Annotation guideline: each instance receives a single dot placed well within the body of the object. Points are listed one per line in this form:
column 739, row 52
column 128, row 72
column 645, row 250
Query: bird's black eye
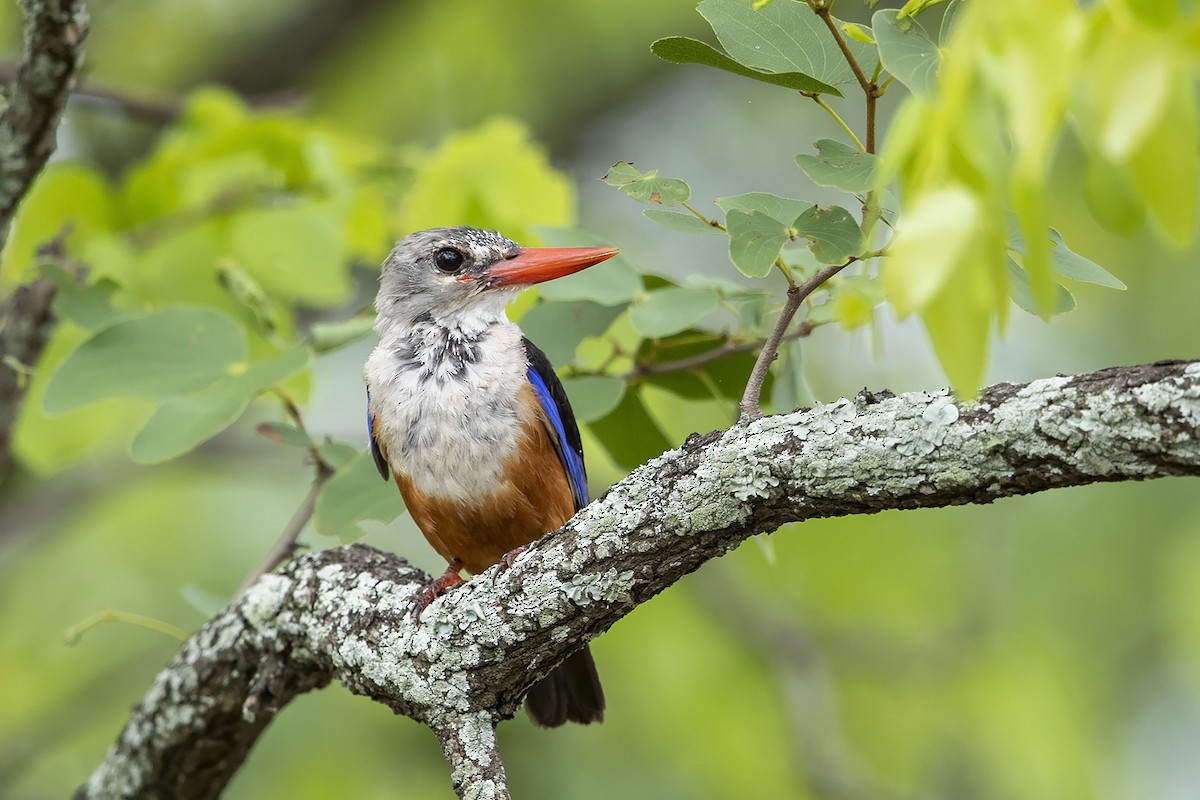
column 448, row 260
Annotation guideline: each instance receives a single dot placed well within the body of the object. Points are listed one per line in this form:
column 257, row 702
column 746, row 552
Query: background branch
column 345, row 613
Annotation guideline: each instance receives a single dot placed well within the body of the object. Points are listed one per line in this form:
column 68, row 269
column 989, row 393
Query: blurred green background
column 1045, row 647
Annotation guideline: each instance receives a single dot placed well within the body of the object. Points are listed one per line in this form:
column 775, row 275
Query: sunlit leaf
column 156, row 356
column 671, row 310
column 647, row 187
column 683, row 50
column 755, row 241
column 296, row 252
column 593, row 396
column 840, row 166
column 684, row 223
column 906, row 50
column 355, row 494
column 67, row 198
column 781, row 209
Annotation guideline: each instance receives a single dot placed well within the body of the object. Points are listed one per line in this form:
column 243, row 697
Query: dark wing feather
column 562, row 428
column 381, row 463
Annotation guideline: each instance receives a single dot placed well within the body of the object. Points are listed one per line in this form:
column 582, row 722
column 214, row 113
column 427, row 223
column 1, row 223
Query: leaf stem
column 710, row 222
column 837, row 118
column 74, row 632
column 285, row 545
column 822, row 11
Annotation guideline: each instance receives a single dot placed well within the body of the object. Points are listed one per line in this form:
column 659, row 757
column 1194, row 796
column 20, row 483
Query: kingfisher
column 469, row 418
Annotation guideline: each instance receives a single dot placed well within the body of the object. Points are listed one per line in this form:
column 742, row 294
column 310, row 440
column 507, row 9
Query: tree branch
column 54, row 34
column 345, row 614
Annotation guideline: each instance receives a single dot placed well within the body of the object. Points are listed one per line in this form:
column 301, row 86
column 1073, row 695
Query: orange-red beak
column 537, row 264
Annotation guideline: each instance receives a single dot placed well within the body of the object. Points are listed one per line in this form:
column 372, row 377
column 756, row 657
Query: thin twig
column 285, row 545
column 727, row 348
column 750, row 405
column 838, row 119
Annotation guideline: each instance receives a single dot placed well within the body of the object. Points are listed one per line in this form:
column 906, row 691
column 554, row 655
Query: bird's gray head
column 464, row 277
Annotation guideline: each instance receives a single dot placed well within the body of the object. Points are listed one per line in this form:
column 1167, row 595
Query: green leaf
column 840, row 166
column 724, row 378
column 493, row 176
column 684, row 223
column 182, row 423
column 248, row 293
column 755, row 240
column 558, row 327
column 667, row 311
column 593, row 396
column 781, row 209
column 88, row 307
column 683, row 50
column 647, row 187
column 1069, row 264
column 156, row 356
column 1021, row 291
column 296, row 252
column 832, row 233
column 629, row 434
column 783, row 37
column 353, row 495
column 906, row 51
column 615, row 282
column 949, row 21
column 326, row 336
column 283, row 433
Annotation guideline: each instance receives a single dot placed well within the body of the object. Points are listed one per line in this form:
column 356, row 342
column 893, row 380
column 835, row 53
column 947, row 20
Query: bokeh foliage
column 1025, row 650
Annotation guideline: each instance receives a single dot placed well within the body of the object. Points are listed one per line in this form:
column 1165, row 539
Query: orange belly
column 533, row 498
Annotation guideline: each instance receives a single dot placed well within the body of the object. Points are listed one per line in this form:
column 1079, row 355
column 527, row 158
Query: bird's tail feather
column 571, row 693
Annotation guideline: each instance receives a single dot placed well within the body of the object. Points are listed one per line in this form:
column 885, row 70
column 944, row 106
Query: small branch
column 54, row 34
column 728, row 348
column 476, row 770
column 285, row 546
column 750, row 405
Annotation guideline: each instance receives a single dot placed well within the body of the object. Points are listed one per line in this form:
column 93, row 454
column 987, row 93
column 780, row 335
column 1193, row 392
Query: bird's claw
column 506, row 561
column 437, row 587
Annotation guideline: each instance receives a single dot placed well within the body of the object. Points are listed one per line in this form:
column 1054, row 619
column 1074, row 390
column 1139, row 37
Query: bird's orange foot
column 438, row 587
column 506, row 561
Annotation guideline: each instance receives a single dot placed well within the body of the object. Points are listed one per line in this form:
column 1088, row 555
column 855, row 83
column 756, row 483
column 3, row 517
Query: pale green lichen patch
column 610, row 587
column 263, row 600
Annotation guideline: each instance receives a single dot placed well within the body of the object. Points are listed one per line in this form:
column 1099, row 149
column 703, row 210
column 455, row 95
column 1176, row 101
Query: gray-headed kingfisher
column 469, row 417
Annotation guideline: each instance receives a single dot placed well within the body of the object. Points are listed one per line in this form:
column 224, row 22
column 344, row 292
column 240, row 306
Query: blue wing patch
column 571, row 459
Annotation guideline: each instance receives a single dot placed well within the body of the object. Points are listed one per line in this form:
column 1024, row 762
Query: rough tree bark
column 345, row 614
column 54, row 34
